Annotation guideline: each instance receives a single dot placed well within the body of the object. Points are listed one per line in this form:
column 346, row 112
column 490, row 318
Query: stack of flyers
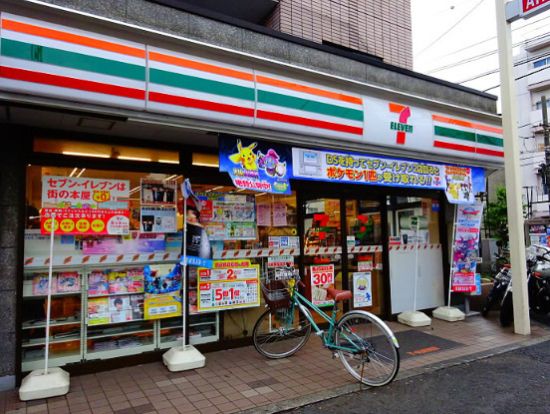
column 40, row 284
column 68, row 282
column 118, row 282
column 98, row 284
column 135, row 280
column 120, row 309
column 98, row 311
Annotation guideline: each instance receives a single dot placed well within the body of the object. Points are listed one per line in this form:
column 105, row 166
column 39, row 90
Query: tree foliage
column 496, row 219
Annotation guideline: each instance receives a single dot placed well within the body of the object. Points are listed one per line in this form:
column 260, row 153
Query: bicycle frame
column 304, row 305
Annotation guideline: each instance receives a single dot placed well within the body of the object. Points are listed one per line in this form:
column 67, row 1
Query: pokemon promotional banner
column 256, row 165
column 465, row 247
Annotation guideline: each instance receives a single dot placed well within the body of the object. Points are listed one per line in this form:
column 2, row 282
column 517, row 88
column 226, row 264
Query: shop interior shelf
column 113, row 353
column 121, row 333
column 42, row 341
column 54, row 295
column 112, row 323
column 42, row 324
column 115, row 294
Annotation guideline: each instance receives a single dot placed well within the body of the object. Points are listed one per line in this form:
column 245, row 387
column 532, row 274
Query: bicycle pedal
column 335, row 355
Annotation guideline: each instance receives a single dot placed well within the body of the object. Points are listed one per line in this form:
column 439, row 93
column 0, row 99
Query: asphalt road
column 514, row 382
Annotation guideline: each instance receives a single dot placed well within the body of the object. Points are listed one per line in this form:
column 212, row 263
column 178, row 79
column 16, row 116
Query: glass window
column 540, row 63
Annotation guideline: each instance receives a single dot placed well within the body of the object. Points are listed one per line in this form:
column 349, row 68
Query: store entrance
column 343, row 247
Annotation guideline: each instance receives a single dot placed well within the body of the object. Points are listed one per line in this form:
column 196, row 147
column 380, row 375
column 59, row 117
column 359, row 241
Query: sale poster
column 465, row 247
column 362, row 289
column 322, row 278
column 85, row 193
column 85, row 221
column 159, row 306
column 228, row 216
column 229, row 284
column 158, row 220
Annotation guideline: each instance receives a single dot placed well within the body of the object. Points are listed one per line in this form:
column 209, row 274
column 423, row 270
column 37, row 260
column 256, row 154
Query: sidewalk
column 242, row 380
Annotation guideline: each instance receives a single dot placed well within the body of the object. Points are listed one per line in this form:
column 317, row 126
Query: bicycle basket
column 275, row 287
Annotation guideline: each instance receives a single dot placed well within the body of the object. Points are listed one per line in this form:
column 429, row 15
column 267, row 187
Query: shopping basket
column 275, row 287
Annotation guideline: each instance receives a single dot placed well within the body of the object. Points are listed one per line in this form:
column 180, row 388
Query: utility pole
column 546, row 131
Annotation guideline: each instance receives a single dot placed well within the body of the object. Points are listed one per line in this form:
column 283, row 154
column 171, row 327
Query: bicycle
column 366, row 346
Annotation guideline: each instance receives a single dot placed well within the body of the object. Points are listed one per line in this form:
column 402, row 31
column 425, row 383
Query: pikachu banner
column 256, row 165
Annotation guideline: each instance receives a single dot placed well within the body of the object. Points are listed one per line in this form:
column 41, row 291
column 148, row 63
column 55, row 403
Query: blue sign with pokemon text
column 256, row 165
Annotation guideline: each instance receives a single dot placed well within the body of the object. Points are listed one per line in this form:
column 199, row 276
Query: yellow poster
column 164, row 305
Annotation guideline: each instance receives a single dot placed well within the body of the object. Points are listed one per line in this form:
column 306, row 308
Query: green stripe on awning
column 454, row 133
column 193, row 83
column 73, row 60
column 490, row 140
column 273, row 98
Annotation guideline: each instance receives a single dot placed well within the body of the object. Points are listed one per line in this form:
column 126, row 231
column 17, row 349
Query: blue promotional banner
column 256, row 165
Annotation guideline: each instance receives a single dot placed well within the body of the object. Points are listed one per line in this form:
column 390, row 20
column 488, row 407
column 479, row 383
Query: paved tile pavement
column 242, row 380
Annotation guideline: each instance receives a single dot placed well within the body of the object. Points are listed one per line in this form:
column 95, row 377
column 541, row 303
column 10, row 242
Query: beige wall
column 377, row 27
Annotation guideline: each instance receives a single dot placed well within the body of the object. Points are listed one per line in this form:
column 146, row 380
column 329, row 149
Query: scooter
column 500, row 285
column 538, row 286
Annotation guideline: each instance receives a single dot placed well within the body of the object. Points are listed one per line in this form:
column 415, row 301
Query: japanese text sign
column 322, row 278
column 356, row 168
column 85, row 221
column 229, row 284
column 255, row 165
column 465, row 247
column 72, row 192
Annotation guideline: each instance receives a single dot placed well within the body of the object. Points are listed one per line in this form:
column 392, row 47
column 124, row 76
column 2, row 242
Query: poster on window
column 84, row 221
column 362, row 289
column 466, row 247
column 158, row 192
column 322, row 278
column 256, row 165
column 158, row 219
column 163, row 284
column 230, row 284
column 228, row 216
column 85, row 193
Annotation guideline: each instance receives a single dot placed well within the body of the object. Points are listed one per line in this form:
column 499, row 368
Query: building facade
column 533, row 83
column 300, row 153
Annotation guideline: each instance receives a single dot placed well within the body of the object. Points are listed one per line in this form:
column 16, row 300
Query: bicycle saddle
column 339, row 295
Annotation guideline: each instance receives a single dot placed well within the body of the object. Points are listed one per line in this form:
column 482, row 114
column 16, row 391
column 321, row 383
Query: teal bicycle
column 363, row 342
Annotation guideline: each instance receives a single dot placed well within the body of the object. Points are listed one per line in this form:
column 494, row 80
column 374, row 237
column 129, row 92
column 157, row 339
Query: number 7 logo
column 401, row 126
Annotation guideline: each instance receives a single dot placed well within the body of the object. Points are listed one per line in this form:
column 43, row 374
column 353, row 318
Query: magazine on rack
column 40, row 284
column 68, row 282
column 118, row 282
column 98, row 311
column 120, row 309
column 98, row 284
column 135, row 280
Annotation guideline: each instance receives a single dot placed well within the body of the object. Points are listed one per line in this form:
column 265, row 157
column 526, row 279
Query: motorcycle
column 500, row 285
column 538, row 286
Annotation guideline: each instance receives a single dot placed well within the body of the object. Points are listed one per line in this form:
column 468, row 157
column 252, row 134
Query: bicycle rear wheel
column 280, row 333
column 371, row 356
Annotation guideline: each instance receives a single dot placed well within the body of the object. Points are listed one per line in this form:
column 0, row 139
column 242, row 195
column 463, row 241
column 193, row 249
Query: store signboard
column 465, row 247
column 525, row 9
column 334, row 166
column 84, row 221
column 322, row 278
column 230, row 284
column 362, row 289
column 93, row 193
column 256, row 165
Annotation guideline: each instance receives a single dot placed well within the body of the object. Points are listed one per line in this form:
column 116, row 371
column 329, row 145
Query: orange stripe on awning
column 71, row 38
column 205, row 67
column 466, row 124
column 309, row 89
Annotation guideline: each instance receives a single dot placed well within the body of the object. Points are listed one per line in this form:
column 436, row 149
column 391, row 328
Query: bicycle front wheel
column 280, row 333
column 366, row 348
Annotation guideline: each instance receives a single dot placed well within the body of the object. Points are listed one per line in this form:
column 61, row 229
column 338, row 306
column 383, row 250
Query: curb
column 409, row 373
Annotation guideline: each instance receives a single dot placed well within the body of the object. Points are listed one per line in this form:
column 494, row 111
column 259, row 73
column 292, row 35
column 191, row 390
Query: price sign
column 322, row 278
column 229, row 284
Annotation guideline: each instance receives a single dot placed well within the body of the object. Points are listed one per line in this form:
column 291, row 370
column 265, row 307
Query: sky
column 447, row 33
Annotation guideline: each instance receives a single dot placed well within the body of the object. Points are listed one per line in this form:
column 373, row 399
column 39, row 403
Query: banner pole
column 184, row 276
column 416, row 262
column 49, row 300
column 452, row 258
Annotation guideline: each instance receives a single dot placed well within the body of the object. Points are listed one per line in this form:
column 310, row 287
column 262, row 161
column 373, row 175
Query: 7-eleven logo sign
column 401, row 126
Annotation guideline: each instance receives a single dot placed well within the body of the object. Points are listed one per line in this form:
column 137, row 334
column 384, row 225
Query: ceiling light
column 124, row 157
column 135, row 189
column 81, row 172
column 171, row 177
column 169, row 161
column 85, row 154
column 73, row 172
column 217, row 188
column 260, row 194
column 242, row 189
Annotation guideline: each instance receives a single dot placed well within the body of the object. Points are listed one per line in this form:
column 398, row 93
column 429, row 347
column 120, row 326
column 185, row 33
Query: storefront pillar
column 12, row 216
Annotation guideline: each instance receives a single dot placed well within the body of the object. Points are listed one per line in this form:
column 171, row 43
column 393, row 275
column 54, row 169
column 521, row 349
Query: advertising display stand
column 184, row 357
column 49, row 382
column 414, row 317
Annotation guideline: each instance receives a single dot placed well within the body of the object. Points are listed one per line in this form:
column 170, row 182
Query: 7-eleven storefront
column 362, row 183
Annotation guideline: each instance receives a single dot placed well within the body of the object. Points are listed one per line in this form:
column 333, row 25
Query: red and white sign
column 532, row 6
column 85, row 221
column 322, row 278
